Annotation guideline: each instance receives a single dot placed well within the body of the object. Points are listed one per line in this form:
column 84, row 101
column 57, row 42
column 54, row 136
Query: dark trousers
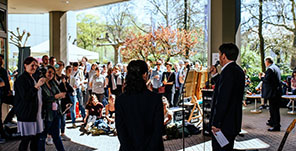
column 119, row 90
column 155, row 90
column 229, row 147
column 100, row 97
column 274, row 110
column 63, row 123
column 114, row 92
column 52, row 128
column 176, row 97
column 168, row 95
column 1, row 124
column 294, row 91
column 106, row 93
column 80, row 100
column 26, row 140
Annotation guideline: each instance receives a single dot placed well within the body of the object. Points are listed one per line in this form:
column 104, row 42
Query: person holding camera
column 28, row 105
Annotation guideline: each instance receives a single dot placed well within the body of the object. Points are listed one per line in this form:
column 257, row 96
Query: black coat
column 227, row 100
column 271, row 86
column 4, row 90
column 139, row 121
column 26, row 98
column 65, row 87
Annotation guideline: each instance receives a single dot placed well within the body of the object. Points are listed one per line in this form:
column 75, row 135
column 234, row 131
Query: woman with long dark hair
column 64, row 86
column 93, row 112
column 51, row 96
column 139, row 112
column 28, row 105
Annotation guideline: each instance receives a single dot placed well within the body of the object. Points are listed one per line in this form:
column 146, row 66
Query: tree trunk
column 186, row 26
column 105, row 52
column 115, row 55
column 261, row 39
column 293, row 57
column 185, row 15
column 293, row 62
column 278, row 56
column 167, row 13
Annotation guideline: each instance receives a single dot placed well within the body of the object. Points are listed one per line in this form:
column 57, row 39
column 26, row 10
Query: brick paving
column 254, row 124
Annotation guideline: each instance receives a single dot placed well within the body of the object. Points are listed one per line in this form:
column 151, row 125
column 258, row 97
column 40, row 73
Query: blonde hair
column 113, row 96
column 165, row 100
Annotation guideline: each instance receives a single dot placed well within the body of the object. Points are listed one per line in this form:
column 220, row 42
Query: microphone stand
column 183, row 109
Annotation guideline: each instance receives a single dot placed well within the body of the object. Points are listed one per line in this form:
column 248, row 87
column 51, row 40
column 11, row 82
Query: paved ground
column 254, row 124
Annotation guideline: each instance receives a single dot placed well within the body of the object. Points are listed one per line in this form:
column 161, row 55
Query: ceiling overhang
column 45, row 6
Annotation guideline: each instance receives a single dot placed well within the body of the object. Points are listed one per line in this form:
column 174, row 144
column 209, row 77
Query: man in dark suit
column 228, row 96
column 271, row 90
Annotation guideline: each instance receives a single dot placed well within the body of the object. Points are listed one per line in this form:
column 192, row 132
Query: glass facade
column 38, row 26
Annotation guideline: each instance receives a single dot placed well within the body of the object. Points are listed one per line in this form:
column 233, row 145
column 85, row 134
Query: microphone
column 217, row 63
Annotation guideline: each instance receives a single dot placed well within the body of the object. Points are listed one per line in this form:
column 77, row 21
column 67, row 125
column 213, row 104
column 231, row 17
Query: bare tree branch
column 280, row 25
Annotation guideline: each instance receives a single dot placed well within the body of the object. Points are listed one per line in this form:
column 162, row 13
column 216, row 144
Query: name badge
column 54, row 106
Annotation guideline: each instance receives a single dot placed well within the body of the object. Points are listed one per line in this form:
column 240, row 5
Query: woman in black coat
column 139, row 112
column 66, row 102
column 28, row 105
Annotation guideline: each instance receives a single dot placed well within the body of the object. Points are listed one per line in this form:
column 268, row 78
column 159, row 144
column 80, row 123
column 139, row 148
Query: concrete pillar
column 55, row 34
column 224, row 25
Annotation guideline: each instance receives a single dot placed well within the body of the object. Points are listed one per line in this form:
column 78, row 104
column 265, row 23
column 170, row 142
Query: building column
column 224, row 25
column 56, row 38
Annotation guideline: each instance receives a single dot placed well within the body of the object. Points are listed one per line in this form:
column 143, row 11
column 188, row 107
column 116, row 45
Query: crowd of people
column 50, row 90
column 140, row 94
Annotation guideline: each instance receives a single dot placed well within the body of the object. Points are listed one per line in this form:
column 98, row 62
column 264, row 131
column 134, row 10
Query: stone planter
column 24, row 52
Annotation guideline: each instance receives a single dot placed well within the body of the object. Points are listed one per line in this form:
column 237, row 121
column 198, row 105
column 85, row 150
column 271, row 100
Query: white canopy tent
column 75, row 53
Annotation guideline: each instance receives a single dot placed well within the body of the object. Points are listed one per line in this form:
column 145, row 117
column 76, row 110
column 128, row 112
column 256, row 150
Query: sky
column 139, row 10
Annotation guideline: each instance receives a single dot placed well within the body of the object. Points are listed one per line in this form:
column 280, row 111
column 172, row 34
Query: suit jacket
column 226, row 112
column 271, row 86
column 139, row 121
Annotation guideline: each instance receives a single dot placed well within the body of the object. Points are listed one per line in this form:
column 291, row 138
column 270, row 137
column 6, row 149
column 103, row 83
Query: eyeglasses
column 158, row 64
column 50, row 72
